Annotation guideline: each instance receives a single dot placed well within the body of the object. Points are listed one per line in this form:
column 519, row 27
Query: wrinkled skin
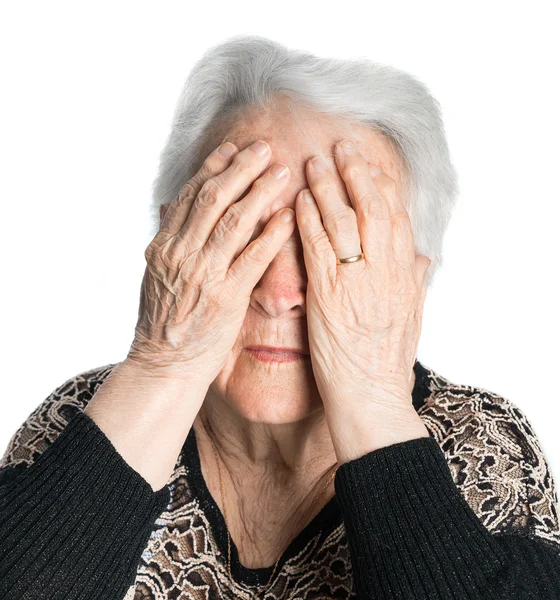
column 197, row 315
column 193, row 299
column 364, row 318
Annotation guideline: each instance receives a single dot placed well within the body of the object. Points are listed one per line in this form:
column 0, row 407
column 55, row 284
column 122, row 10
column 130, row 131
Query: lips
column 276, row 354
column 279, row 350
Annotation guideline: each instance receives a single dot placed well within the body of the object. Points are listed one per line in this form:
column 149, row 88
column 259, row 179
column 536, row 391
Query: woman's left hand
column 364, row 318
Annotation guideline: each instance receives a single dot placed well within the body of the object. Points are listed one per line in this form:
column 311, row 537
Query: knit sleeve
column 413, row 535
column 74, row 516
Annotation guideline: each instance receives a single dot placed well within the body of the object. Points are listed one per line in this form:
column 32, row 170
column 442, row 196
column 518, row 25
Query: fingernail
column 260, row 147
column 226, row 150
column 307, row 196
column 278, row 170
column 318, row 165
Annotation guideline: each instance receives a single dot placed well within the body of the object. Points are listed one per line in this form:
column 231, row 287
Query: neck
column 282, row 453
column 274, row 477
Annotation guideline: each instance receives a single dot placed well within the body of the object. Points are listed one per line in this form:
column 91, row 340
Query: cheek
column 226, row 377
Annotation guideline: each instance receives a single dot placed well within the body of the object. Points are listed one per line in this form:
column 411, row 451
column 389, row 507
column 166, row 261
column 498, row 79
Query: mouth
column 274, row 354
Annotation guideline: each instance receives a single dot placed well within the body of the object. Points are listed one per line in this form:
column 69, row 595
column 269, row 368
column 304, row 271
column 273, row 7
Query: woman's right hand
column 199, row 276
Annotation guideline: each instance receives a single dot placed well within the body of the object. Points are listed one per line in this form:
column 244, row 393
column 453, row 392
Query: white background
column 88, row 91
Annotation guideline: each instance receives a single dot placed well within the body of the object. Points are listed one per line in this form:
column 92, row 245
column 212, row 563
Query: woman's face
column 274, row 392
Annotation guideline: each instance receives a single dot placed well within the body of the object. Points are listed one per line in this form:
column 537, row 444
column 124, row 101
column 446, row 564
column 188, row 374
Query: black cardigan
column 468, row 513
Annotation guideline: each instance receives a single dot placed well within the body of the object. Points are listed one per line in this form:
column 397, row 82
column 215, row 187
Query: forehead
column 297, row 133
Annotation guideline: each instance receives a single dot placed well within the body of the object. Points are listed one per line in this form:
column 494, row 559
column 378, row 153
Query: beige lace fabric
column 492, row 451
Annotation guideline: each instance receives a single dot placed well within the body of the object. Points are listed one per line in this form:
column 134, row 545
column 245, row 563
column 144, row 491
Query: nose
column 281, row 291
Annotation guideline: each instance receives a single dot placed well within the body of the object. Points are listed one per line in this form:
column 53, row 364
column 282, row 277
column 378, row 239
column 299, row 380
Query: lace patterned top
column 470, row 512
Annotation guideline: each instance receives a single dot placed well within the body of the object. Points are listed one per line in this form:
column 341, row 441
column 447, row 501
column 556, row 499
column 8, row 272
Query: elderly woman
column 270, row 433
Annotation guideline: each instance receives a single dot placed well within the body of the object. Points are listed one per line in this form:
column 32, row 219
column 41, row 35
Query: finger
column 225, row 242
column 177, row 211
column 247, row 270
column 339, row 219
column 403, row 242
column 318, row 252
column 372, row 211
column 218, row 193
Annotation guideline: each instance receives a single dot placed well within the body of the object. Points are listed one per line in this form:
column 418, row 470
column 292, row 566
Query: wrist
column 157, row 368
column 358, row 433
column 161, row 388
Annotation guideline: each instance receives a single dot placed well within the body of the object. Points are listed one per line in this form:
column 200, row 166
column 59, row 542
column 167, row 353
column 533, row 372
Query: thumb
column 421, row 264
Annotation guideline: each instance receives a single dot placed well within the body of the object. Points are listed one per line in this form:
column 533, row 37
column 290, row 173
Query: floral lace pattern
column 493, row 454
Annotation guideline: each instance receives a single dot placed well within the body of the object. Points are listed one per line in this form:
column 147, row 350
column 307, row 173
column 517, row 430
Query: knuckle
column 235, row 278
column 374, row 206
column 317, row 241
column 262, row 187
column 306, row 222
column 351, row 171
column 264, row 244
column 401, row 218
column 186, row 195
column 213, row 165
column 241, row 163
column 156, row 262
column 386, row 185
column 402, row 225
column 342, row 221
column 214, row 162
column 211, row 193
column 155, row 249
column 233, row 219
column 214, row 251
column 254, row 252
column 324, row 187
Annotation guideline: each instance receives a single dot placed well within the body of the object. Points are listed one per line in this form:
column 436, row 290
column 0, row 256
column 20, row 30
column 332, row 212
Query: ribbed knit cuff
column 411, row 534
column 74, row 523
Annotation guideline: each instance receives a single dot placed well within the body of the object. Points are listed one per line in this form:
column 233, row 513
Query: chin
column 273, row 406
column 269, row 393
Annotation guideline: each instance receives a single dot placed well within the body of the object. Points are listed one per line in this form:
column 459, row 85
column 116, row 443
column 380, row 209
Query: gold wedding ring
column 350, row 259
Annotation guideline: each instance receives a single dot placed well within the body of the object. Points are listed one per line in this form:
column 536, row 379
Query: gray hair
column 246, row 71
